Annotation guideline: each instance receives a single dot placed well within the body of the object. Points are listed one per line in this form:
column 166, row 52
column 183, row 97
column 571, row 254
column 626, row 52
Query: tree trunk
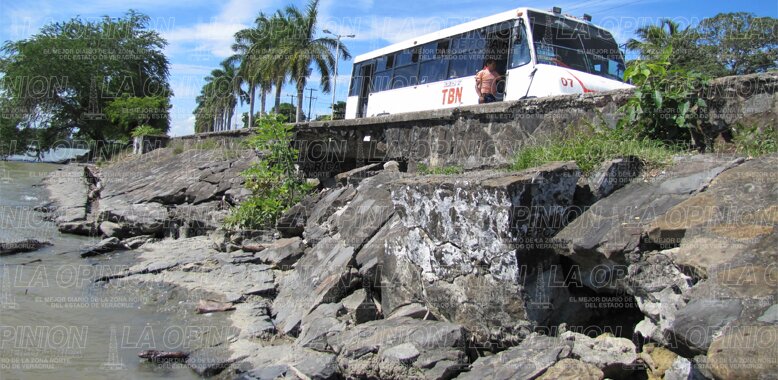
column 300, row 94
column 252, row 96
column 262, row 99
column 279, row 87
column 230, row 112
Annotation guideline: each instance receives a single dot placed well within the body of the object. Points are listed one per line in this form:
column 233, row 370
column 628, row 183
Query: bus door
column 366, row 72
column 498, row 47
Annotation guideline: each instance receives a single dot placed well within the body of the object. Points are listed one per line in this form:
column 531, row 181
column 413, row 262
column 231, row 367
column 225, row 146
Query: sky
column 199, row 32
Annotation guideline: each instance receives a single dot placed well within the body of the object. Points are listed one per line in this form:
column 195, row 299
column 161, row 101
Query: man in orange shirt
column 486, row 82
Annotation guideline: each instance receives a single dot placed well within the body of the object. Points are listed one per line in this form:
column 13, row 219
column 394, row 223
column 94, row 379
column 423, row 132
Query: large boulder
column 135, row 219
column 466, row 247
column 401, row 348
column 599, row 239
column 526, row 361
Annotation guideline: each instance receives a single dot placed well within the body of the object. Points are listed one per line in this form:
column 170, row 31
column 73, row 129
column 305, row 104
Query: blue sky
column 199, row 32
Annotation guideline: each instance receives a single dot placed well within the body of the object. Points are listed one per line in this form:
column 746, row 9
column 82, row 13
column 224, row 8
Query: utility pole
column 310, row 102
column 337, row 59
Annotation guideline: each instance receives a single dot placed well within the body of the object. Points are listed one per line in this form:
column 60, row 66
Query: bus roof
column 454, row 30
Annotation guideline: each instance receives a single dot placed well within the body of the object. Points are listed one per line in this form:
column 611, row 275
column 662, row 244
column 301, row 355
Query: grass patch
column 751, row 141
column 447, row 170
column 592, row 148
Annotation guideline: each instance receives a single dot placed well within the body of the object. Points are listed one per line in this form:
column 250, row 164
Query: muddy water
column 55, row 322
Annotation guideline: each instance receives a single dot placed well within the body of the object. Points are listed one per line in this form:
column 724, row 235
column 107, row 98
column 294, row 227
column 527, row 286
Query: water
column 55, row 322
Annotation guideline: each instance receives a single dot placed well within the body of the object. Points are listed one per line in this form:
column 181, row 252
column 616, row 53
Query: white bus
column 538, row 53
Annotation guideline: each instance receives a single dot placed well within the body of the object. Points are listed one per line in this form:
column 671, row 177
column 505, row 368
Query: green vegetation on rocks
column 273, row 180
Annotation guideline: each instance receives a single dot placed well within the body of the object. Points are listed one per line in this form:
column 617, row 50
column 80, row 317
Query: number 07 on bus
column 537, row 54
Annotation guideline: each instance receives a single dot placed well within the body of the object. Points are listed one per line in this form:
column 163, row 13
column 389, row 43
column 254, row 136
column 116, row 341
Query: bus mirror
column 517, row 32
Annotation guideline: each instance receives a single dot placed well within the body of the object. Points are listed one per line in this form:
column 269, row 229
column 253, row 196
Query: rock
column 137, row 241
column 319, row 325
column 104, row 246
column 210, row 306
column 282, row 253
column 301, row 362
column 138, row 219
column 354, row 176
column 386, row 348
column 770, row 315
column 571, row 369
column 697, row 323
column 683, row 369
column 392, row 166
column 352, row 302
column 658, row 287
column 156, row 356
column 413, row 310
column 745, row 352
column 362, row 307
column 370, row 209
column 528, row 360
column 616, row 357
column 111, row 229
column 68, row 192
column 28, row 245
column 321, row 276
column 612, row 227
column 613, row 175
column 292, row 222
column 466, row 241
column 403, row 353
column 83, row 228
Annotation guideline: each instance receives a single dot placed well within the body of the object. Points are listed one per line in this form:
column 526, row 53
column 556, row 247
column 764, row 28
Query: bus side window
column 521, row 55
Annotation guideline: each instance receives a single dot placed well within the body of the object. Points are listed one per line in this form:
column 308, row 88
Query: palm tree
column 218, row 99
column 302, row 48
column 251, row 47
column 653, row 39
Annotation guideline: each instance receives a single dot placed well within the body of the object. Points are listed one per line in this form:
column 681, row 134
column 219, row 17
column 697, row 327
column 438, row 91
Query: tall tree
column 303, row 49
column 63, row 77
column 742, row 42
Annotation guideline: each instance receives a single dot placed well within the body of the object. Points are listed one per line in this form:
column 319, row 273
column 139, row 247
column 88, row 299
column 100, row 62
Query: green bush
column 273, row 180
column 591, row 148
column 666, row 104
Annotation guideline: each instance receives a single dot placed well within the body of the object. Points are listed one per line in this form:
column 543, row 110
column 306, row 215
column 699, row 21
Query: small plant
column 146, row 130
column 273, row 180
column 666, row 104
column 446, row 170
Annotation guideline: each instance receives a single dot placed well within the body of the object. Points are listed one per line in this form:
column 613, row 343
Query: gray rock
column 387, row 348
column 84, row 228
column 370, row 209
column 111, row 229
column 104, row 246
column 683, row 369
column 413, row 310
column 613, row 175
column 302, row 362
column 571, row 369
column 528, row 360
column 392, row 166
column 614, row 226
column 137, row 241
column 616, row 357
column 320, row 324
column 28, row 245
column 282, row 253
column 354, row 176
column 696, row 324
column 138, row 219
column 404, row 353
column 770, row 315
column 321, row 276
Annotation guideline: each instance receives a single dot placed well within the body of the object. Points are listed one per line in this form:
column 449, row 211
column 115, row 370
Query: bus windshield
column 576, row 45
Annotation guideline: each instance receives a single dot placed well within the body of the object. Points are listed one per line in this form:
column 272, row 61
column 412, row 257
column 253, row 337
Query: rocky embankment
column 483, row 275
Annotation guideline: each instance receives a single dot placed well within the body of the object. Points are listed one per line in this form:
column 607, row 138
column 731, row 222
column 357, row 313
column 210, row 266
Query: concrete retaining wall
column 490, row 135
